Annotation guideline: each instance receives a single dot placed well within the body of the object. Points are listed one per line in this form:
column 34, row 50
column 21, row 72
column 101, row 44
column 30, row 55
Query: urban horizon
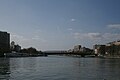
column 73, row 47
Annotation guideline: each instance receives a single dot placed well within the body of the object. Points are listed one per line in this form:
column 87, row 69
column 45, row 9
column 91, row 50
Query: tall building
column 4, row 42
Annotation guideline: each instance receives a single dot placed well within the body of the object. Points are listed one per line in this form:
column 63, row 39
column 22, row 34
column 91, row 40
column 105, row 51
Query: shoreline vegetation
column 25, row 52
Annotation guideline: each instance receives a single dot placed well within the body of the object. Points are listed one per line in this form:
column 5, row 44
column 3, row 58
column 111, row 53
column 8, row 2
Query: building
column 113, row 43
column 99, row 49
column 70, row 50
column 77, row 48
column 110, row 49
column 113, row 48
column 4, row 42
column 14, row 47
column 83, row 49
column 86, row 50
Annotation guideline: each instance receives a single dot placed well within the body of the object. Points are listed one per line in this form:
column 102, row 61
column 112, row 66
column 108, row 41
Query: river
column 59, row 68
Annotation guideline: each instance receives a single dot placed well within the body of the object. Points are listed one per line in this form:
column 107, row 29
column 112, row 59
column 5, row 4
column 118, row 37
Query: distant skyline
column 60, row 24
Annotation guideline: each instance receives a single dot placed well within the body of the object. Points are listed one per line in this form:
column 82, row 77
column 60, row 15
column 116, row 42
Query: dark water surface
column 59, row 68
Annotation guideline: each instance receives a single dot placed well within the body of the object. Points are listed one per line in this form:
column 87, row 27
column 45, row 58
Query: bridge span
column 69, row 53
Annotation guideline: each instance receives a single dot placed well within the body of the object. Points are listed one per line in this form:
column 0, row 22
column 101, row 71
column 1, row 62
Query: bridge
column 82, row 54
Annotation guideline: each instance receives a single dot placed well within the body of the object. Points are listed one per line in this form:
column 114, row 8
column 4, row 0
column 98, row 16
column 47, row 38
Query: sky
column 60, row 24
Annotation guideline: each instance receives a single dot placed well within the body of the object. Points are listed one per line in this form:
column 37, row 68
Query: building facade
column 113, row 48
column 99, row 49
column 77, row 48
column 4, row 42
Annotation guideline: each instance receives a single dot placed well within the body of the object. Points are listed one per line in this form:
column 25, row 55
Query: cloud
column 38, row 38
column 80, row 35
column 25, row 42
column 94, row 35
column 72, row 20
column 115, row 36
column 88, row 35
column 97, row 36
column 18, row 38
column 115, row 26
column 22, row 39
column 69, row 29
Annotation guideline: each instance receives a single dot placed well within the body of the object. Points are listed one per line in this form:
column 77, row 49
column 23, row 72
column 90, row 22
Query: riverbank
column 110, row 56
column 22, row 55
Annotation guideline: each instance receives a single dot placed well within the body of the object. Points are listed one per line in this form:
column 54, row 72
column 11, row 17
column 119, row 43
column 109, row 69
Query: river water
column 59, row 68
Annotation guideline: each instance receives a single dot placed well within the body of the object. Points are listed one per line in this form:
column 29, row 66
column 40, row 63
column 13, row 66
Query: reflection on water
column 4, row 68
column 59, row 68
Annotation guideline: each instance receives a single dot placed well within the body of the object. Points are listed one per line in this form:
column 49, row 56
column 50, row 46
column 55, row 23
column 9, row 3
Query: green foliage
column 30, row 50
